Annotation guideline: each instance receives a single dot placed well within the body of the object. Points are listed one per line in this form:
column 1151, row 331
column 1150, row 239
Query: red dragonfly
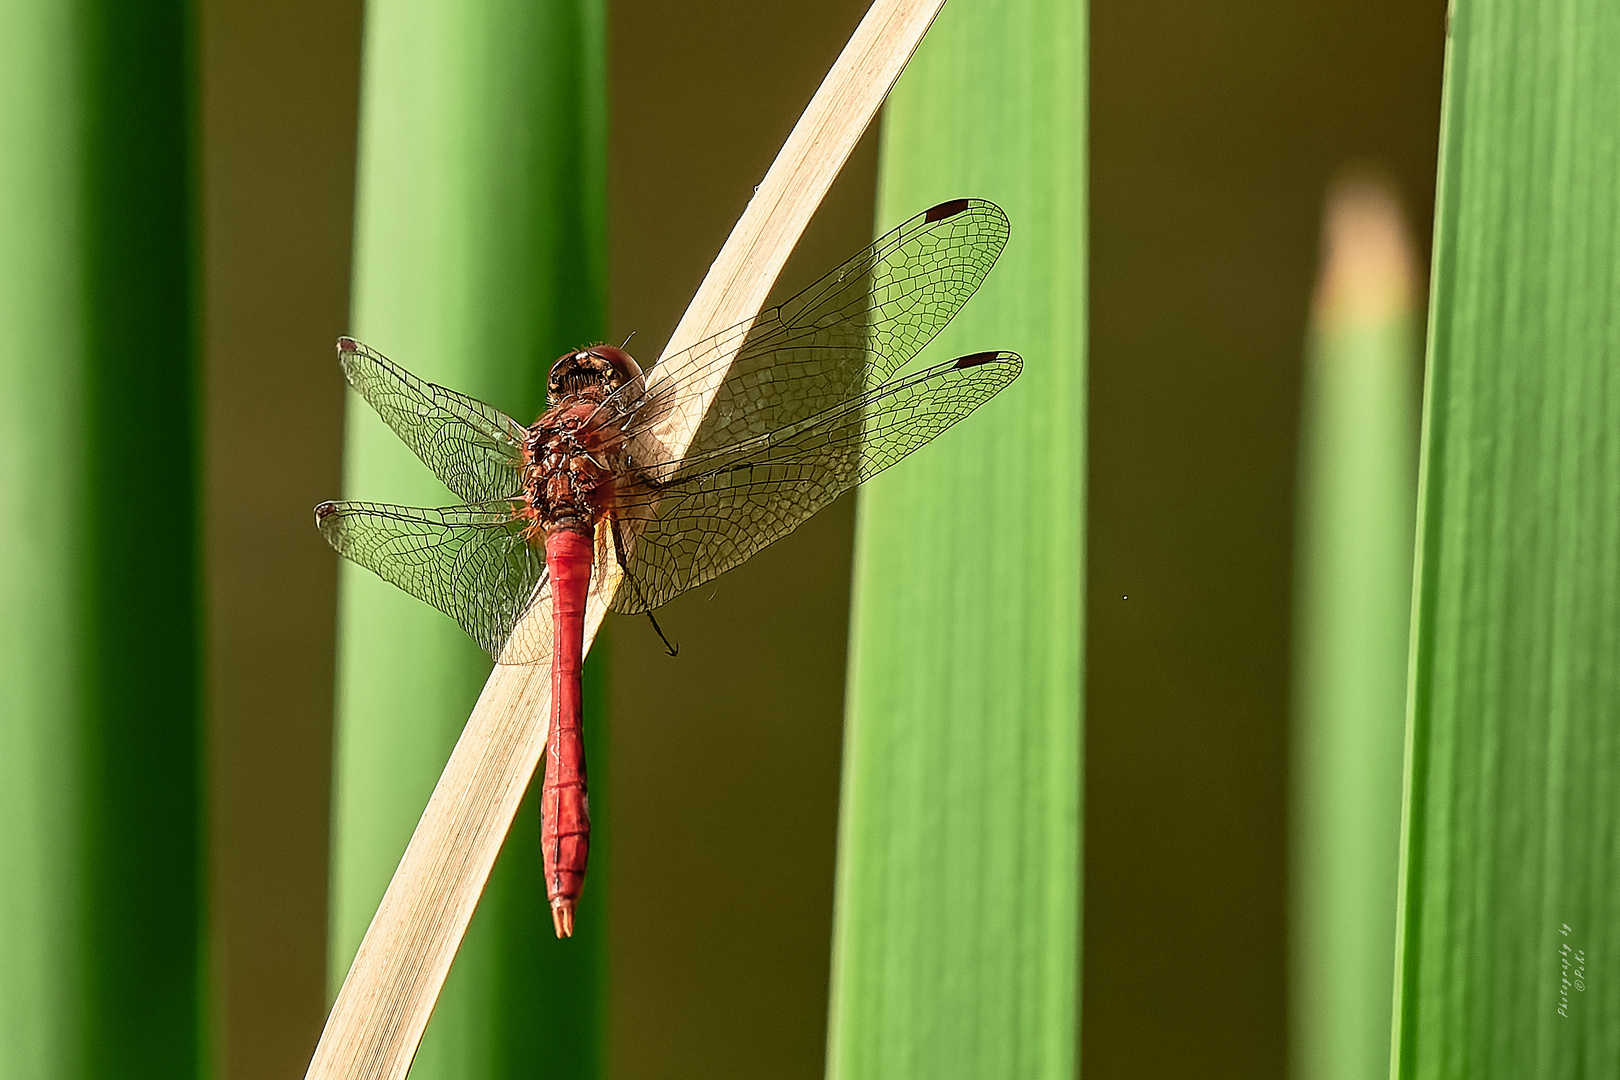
column 811, row 406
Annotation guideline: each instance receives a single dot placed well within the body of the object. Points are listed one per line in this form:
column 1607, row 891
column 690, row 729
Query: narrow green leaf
column 1510, row 928
column 480, row 257
column 101, row 902
column 1357, row 502
column 956, row 930
column 42, row 460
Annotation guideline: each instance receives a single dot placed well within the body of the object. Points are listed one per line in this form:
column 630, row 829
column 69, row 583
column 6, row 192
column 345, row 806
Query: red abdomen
column 565, row 823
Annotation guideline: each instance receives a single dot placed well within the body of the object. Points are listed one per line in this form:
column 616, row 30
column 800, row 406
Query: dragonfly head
column 602, row 367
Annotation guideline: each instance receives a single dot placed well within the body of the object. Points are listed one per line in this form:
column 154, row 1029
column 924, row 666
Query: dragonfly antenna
column 627, row 338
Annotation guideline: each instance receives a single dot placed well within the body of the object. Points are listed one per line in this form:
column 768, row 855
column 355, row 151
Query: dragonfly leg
column 624, row 564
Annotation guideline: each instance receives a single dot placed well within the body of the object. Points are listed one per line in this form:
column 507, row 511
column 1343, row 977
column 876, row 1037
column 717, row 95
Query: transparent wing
column 476, row 449
column 721, row 506
column 846, row 334
column 804, row 414
column 471, row 562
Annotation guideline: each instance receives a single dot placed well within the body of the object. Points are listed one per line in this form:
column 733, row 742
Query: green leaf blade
column 1357, row 501
column 1510, row 812
column 957, row 912
column 103, row 911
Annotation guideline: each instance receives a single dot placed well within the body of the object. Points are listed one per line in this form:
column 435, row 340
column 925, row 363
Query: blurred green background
column 1216, row 132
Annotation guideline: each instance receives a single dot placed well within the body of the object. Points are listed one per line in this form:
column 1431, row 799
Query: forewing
column 844, row 335
column 471, row 562
column 722, row 506
column 476, row 449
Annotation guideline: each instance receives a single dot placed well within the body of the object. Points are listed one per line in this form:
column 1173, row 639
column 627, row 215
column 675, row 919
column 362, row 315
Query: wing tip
column 323, row 511
column 347, row 344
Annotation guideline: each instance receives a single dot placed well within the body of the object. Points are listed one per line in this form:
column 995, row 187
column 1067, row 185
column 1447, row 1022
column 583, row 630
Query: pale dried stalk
column 389, row 993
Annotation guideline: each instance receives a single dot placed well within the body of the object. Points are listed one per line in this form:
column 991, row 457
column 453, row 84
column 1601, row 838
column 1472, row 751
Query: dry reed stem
column 389, row 993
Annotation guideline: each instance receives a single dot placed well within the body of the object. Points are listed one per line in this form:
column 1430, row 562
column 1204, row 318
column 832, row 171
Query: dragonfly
column 813, row 401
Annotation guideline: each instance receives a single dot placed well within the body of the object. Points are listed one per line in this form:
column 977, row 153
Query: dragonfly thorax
column 573, row 453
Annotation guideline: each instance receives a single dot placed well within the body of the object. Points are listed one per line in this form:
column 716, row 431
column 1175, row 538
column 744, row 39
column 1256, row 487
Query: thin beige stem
column 389, row 993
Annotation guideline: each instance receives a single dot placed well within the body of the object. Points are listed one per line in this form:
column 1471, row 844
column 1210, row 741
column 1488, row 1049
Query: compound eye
column 622, row 362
